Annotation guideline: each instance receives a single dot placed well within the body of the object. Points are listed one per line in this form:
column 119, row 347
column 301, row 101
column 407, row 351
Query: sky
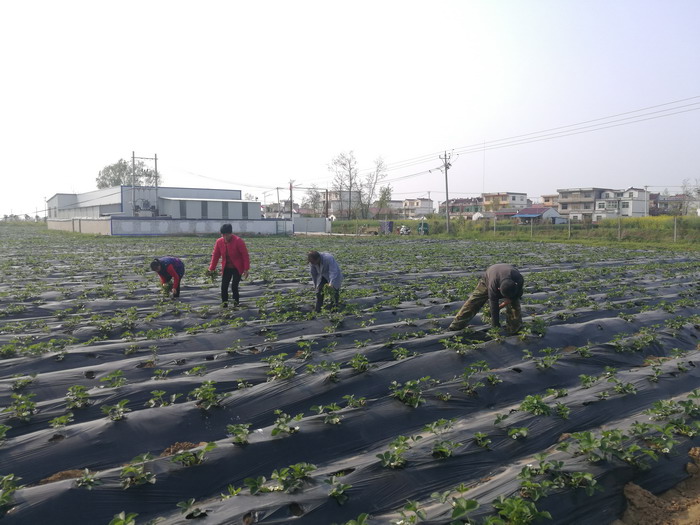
column 523, row 95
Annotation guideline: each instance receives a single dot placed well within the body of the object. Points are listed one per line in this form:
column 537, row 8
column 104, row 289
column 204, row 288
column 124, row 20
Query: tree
column 369, row 185
column 691, row 194
column 249, row 197
column 121, row 173
column 344, row 167
column 384, row 198
column 313, row 199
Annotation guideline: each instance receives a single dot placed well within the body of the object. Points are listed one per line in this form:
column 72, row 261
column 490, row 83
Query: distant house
column 578, row 204
column 463, row 207
column 417, row 208
column 504, row 200
column 539, row 215
column 631, row 202
column 551, row 200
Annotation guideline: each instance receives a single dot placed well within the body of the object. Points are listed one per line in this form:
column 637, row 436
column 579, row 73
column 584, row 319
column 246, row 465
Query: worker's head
column 313, row 257
column 155, row 265
column 227, row 231
column 508, row 288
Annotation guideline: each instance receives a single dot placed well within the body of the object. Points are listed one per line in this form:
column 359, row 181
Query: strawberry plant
column 116, row 412
column 136, row 472
column 87, row 480
column 239, row 432
column 191, row 511
column 207, row 397
column 124, row 519
column 188, row 458
column 283, row 423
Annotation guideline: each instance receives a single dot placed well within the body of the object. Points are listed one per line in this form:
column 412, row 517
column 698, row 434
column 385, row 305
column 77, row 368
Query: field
column 116, row 400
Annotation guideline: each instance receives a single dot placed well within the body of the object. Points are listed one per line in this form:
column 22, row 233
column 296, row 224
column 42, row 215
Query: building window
column 245, row 210
column 205, row 210
column 598, row 218
column 601, row 205
column 224, row 210
column 564, row 206
column 183, row 209
column 625, row 204
column 587, row 206
column 631, row 194
column 587, row 195
column 618, row 194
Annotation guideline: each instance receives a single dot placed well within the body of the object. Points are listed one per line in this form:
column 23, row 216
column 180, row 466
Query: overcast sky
column 252, row 94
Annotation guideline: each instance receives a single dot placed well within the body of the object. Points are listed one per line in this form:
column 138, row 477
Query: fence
column 682, row 229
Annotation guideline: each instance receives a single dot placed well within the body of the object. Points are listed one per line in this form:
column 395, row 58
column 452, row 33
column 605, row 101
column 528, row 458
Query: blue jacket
column 327, row 268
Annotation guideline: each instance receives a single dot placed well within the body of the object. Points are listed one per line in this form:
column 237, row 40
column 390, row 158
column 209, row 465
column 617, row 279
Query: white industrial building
column 149, row 210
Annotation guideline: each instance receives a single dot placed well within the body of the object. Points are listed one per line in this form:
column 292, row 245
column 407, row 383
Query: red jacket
column 234, row 251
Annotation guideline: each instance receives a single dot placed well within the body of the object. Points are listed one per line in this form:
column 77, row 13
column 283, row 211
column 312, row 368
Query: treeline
column 633, row 229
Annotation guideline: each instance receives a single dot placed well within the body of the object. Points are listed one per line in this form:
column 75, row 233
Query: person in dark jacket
column 235, row 263
column 169, row 269
column 326, row 275
column 502, row 286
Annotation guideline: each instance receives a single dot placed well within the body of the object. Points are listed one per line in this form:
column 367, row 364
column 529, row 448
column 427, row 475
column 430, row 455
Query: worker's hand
column 504, row 303
column 329, row 285
column 244, row 275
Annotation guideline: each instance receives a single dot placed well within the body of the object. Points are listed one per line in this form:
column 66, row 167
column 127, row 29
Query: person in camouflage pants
column 502, row 286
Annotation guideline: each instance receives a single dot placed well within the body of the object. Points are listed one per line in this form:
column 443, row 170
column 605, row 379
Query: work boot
column 456, row 326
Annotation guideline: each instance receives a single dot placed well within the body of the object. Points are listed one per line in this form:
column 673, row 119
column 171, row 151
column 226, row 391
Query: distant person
column 235, row 263
column 502, row 286
column 169, row 269
column 326, row 275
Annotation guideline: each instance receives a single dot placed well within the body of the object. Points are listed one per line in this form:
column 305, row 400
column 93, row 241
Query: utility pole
column 279, row 213
column 133, row 178
column 155, row 166
column 291, row 202
column 446, row 164
column 133, row 183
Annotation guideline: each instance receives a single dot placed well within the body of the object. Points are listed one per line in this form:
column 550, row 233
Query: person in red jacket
column 235, row 262
column 169, row 268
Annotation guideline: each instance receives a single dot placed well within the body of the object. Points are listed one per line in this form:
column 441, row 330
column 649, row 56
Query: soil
column 677, row 506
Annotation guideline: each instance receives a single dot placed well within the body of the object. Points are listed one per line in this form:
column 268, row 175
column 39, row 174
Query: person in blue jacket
column 169, row 268
column 326, row 275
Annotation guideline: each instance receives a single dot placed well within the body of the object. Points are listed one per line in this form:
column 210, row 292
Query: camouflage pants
column 478, row 298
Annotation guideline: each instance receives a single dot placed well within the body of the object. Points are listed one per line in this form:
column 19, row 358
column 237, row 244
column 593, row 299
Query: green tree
column 122, row 173
column 384, row 198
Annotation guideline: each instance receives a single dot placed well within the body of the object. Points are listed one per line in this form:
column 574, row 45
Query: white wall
column 147, row 226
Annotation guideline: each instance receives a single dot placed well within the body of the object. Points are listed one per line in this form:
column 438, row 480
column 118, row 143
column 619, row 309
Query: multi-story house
column 551, row 200
column 578, row 204
column 340, row 202
column 417, row 208
column 497, row 201
column 463, row 207
column 631, row 202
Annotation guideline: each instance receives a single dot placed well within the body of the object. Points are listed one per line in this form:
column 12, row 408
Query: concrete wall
column 312, row 225
column 93, row 226
column 152, row 226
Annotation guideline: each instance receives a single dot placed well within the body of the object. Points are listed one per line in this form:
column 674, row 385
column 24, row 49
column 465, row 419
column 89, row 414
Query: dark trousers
column 335, row 294
column 232, row 277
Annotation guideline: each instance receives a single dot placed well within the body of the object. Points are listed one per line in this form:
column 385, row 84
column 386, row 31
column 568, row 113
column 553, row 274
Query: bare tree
column 369, row 186
column 313, row 200
column 691, row 194
column 344, row 168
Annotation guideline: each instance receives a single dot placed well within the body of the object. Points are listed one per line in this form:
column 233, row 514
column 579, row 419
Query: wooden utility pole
column 446, row 165
column 291, row 201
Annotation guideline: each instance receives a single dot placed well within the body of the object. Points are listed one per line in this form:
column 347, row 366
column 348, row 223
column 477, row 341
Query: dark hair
column 313, row 257
column 508, row 288
column 226, row 228
column 155, row 264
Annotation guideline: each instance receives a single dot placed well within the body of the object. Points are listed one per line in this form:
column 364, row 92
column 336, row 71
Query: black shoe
column 236, row 303
column 224, row 305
